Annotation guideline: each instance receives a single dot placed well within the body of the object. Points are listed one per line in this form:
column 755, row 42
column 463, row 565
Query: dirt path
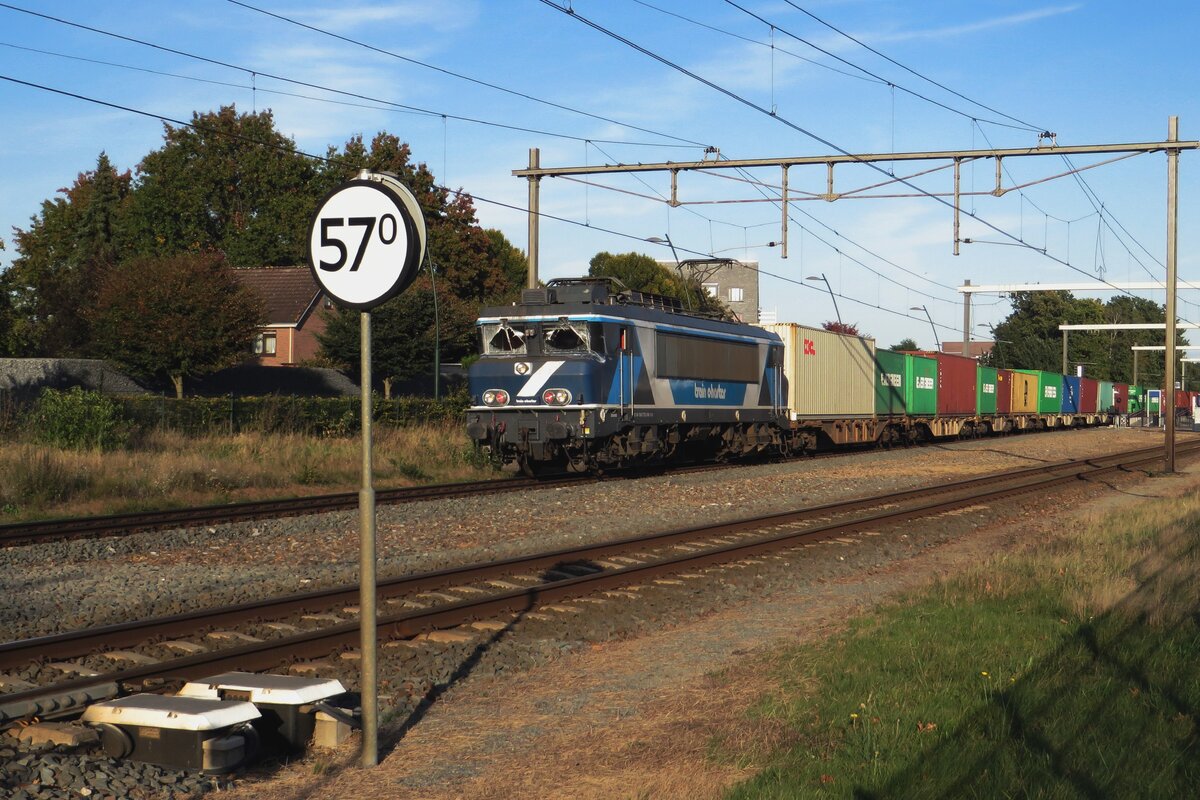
column 638, row 718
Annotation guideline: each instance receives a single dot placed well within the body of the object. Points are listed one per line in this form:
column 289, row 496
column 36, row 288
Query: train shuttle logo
column 810, row 347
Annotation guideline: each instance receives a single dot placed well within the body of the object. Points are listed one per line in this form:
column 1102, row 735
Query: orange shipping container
column 1024, row 393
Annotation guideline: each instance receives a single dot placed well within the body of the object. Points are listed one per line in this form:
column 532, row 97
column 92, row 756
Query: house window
column 264, row 344
column 713, row 289
column 737, row 294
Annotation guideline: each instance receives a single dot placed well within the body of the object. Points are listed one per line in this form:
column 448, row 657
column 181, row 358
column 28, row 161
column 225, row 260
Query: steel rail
column 82, row 642
column 17, row 534
column 33, row 532
column 265, row 655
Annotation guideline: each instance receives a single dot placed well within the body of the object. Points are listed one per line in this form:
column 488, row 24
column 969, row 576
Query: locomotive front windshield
column 501, row 339
column 562, row 337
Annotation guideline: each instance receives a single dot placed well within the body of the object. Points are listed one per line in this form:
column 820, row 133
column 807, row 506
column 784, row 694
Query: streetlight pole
column 667, row 241
column 932, row 327
column 996, row 341
column 831, row 294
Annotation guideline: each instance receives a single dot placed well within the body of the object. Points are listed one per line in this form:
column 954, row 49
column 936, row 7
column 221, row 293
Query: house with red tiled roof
column 293, row 304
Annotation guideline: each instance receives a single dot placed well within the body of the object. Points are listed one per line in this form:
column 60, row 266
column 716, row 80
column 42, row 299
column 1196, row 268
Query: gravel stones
column 45, row 772
column 68, row 585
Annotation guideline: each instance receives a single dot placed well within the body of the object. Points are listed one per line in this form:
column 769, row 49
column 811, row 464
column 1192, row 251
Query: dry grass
column 1139, row 562
column 171, row 469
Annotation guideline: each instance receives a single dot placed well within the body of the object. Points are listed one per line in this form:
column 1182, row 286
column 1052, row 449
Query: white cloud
column 1009, row 21
column 441, row 16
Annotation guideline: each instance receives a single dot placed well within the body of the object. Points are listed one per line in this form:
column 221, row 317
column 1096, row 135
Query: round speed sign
column 367, row 240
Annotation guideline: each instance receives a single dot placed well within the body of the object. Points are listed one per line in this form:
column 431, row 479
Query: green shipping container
column 922, row 393
column 891, row 380
column 905, row 384
column 1136, row 401
column 1049, row 390
column 1106, row 397
column 985, row 390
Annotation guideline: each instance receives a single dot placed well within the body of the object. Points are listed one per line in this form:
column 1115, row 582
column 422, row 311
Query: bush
column 78, row 419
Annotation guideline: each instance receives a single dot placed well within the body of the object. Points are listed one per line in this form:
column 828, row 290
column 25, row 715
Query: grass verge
column 169, row 469
column 1066, row 670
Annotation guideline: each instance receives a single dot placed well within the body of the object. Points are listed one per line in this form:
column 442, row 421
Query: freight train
column 585, row 375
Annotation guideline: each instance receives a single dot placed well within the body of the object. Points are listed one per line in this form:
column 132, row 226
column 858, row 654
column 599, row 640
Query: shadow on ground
column 1111, row 713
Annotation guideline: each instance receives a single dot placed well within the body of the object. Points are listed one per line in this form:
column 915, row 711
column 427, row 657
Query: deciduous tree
column 641, row 273
column 837, row 326
column 175, row 316
column 1032, row 339
column 230, row 183
column 63, row 258
column 403, row 334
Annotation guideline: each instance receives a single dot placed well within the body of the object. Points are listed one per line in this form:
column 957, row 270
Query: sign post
column 365, row 246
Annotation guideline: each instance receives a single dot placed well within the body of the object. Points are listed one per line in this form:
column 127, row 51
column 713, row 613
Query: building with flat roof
column 733, row 282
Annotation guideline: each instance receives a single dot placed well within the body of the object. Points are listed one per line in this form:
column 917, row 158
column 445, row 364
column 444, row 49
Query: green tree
column 475, row 267
column 1031, row 338
column 63, row 258
column 641, row 273
column 230, row 183
column 403, row 334
column 473, row 264
column 905, row 344
column 175, row 316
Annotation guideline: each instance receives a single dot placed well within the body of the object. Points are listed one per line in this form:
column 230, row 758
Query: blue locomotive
column 584, row 374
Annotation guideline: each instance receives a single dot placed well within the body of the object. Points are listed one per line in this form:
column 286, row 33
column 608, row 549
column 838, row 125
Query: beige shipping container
column 1024, row 393
column 829, row 375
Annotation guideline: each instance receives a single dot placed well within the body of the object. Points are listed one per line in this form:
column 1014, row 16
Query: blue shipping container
column 1070, row 395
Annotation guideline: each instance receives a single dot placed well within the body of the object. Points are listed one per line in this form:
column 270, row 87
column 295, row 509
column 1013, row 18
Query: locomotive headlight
column 521, row 368
column 556, row 397
column 495, row 397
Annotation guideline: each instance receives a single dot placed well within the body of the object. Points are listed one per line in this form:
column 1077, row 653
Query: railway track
column 53, row 530
column 451, row 597
column 17, row 534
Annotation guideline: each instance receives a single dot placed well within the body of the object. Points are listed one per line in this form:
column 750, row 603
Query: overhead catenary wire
column 913, row 93
column 258, row 73
column 806, row 132
column 448, row 190
column 885, row 57
column 468, row 78
column 749, row 40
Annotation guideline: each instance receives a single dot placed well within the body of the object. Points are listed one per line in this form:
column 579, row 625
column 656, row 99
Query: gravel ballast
column 73, row 584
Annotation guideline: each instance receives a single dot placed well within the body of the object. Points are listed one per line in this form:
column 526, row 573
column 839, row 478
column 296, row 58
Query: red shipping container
column 1089, row 395
column 1182, row 400
column 1121, row 397
column 957, row 377
column 1003, row 391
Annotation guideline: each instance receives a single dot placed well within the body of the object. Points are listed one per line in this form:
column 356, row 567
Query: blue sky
column 1092, row 72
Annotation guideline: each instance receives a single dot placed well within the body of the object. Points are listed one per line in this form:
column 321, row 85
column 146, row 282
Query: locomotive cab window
column 567, row 337
column 501, row 339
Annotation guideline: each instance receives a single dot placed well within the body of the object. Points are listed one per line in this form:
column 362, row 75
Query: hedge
column 321, row 416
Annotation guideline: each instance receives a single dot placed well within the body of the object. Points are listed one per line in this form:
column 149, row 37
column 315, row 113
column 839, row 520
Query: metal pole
column 1065, row 364
column 1135, row 355
column 437, row 333
column 534, row 185
column 366, row 566
column 783, row 239
column 933, row 328
column 832, row 297
column 1172, row 245
column 966, row 348
column 957, row 167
